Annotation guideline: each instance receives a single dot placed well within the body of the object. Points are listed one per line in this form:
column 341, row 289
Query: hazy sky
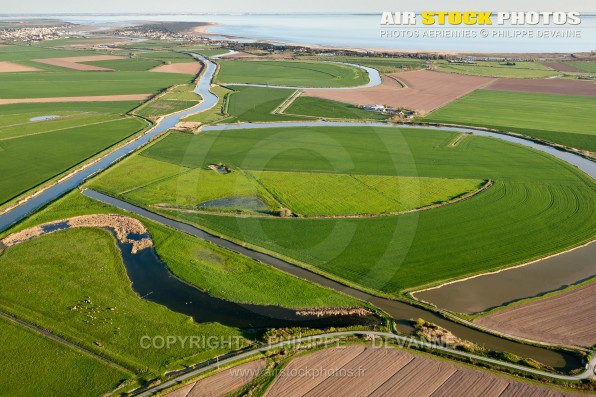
column 211, row 6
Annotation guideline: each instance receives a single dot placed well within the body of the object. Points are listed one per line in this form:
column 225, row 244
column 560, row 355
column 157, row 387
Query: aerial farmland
column 186, row 213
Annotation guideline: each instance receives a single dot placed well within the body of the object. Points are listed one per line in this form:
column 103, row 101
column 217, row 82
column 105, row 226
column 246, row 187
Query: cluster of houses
column 30, row 34
column 399, row 112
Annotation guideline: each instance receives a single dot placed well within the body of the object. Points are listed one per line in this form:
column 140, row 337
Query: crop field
column 58, row 84
column 419, row 90
column 391, row 372
column 25, row 55
column 534, row 207
column 564, row 119
column 176, row 99
column 84, row 262
column 165, row 56
column 559, row 319
column 256, row 104
column 545, row 86
column 36, row 151
column 586, row 66
column 325, row 108
column 383, row 65
column 526, row 70
column 290, row 73
column 128, row 64
column 28, row 352
column 343, row 194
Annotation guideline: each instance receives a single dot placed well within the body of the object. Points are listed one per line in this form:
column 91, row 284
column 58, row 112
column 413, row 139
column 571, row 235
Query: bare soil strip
column 222, row 383
column 392, row 372
column 561, row 67
column 74, row 62
column 183, row 68
column 10, row 67
column 425, row 90
column 121, row 225
column 545, row 86
column 566, row 318
column 97, row 98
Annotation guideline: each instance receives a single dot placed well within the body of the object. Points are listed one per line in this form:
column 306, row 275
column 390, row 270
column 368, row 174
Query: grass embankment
column 525, row 70
column 27, row 356
column 290, row 73
column 176, row 99
column 532, row 208
column 564, row 119
column 36, row 151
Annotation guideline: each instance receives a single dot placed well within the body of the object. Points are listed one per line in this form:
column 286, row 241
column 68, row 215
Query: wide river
column 401, row 312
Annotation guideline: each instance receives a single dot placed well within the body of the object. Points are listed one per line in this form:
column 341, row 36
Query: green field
column 527, row 70
column 290, row 73
column 383, row 65
column 324, row 108
column 256, row 104
column 127, row 65
column 27, row 356
column 67, row 84
column 34, row 152
column 165, row 56
column 217, row 112
column 533, row 208
column 25, row 55
column 177, row 98
column 586, row 66
column 563, row 119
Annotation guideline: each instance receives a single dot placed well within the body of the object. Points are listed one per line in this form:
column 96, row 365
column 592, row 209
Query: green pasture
column 383, row 65
column 165, row 56
column 217, row 112
column 533, row 209
column 35, row 152
column 325, row 108
column 525, row 70
column 564, row 119
column 68, row 84
column 25, row 55
column 586, row 66
column 27, row 356
column 256, row 104
column 290, row 73
column 176, row 99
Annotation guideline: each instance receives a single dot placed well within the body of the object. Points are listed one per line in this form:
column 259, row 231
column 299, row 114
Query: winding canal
column 401, row 312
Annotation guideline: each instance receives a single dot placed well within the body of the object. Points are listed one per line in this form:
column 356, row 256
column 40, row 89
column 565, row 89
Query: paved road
column 61, row 341
column 589, row 372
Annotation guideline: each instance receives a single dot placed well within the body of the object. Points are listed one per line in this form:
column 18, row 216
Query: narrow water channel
column 402, row 312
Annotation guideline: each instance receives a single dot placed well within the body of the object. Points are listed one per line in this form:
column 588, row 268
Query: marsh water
column 488, row 291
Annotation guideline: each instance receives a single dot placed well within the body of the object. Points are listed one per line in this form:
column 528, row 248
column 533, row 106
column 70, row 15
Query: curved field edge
column 497, row 192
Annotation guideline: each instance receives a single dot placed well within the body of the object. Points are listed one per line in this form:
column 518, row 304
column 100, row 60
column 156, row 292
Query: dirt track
column 360, row 371
column 566, row 318
column 10, row 67
column 546, row 86
column 102, row 98
column 73, row 62
column 425, row 90
column 222, row 383
column 183, row 68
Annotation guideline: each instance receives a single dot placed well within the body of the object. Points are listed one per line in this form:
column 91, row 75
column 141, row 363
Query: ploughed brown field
column 546, row 86
column 365, row 371
column 561, row 67
column 424, row 90
column 97, row 98
column 9, row 67
column 184, row 68
column 74, row 62
column 222, row 383
column 566, row 318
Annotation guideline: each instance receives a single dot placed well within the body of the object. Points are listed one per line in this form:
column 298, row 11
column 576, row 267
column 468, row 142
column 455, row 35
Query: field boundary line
column 62, row 341
column 287, row 103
